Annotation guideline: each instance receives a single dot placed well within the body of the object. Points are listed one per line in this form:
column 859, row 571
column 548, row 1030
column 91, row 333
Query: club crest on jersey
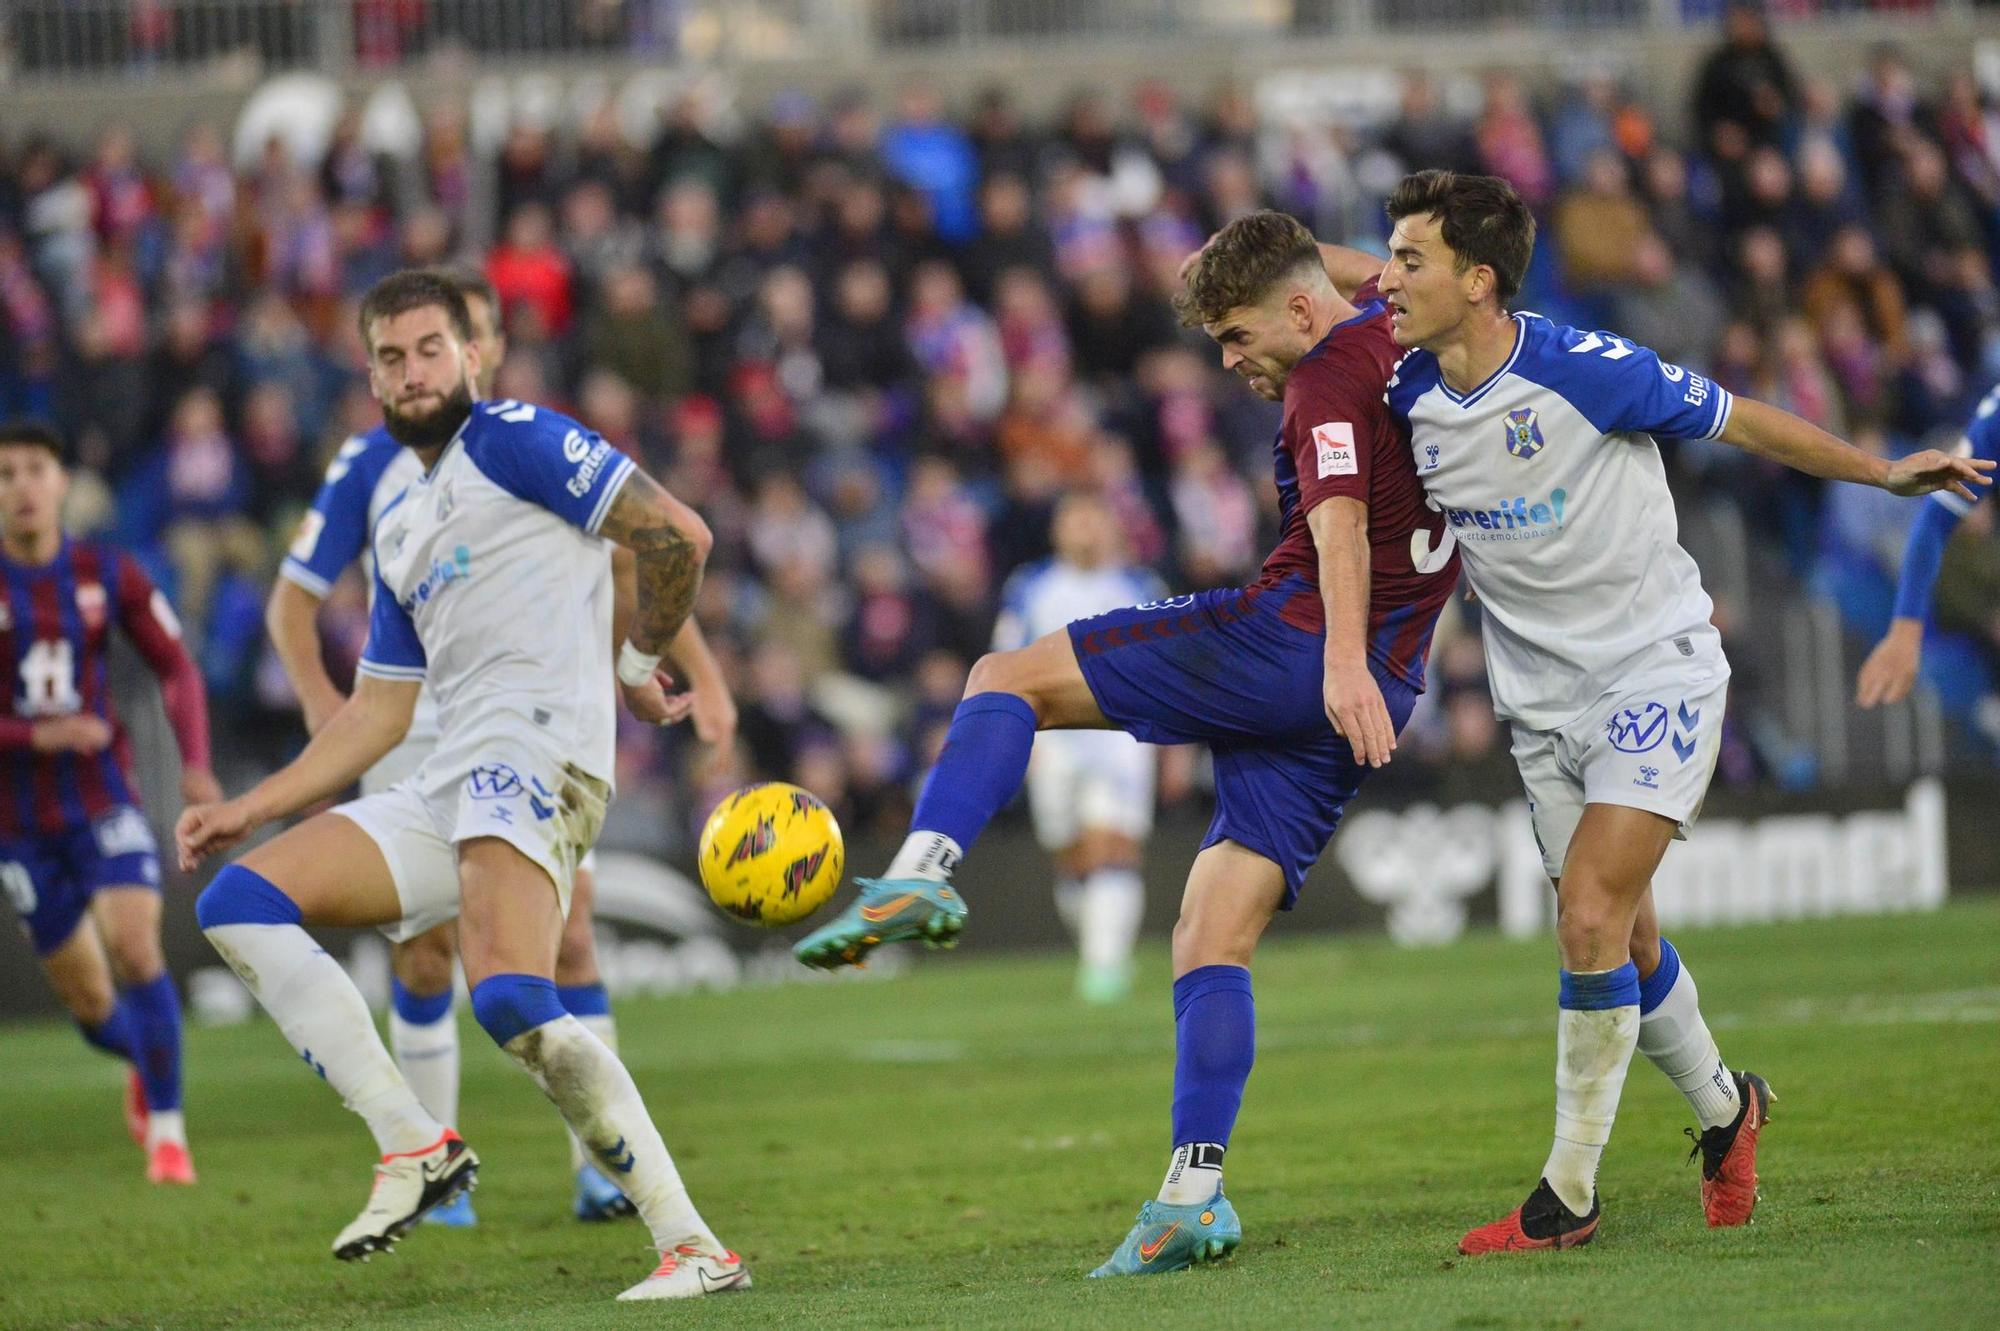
column 1524, row 433
column 1637, row 729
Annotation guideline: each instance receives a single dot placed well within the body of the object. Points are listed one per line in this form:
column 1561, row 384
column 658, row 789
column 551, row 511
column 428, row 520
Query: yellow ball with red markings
column 771, row 854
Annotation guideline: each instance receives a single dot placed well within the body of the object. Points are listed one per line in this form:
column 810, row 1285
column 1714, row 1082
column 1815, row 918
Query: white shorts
column 1652, row 748
column 1080, row 779
column 547, row 809
column 399, row 763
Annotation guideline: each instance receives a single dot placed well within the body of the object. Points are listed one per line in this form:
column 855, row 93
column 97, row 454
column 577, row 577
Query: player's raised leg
column 329, row 871
column 1732, row 1107
column 1232, row 892
column 73, row 959
column 423, row 1035
column 1008, row 696
column 584, row 997
column 509, row 931
column 128, row 917
column 1608, row 870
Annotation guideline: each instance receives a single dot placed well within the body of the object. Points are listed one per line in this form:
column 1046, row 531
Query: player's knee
column 135, row 956
column 1201, row 941
column 1593, row 932
column 91, row 1003
column 576, row 957
column 244, row 896
column 991, row 673
column 424, row 963
column 508, row 1005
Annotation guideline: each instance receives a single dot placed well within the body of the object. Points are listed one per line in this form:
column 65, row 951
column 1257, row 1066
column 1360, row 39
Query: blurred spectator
column 924, row 150
column 1510, row 141
column 1600, row 225
column 1746, row 87
column 527, row 270
column 1424, row 133
column 632, row 336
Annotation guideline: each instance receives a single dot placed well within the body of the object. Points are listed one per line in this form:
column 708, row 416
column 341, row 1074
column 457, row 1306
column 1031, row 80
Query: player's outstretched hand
column 204, row 829
column 651, row 702
column 1354, row 705
column 80, row 732
column 1891, row 669
column 1923, row 472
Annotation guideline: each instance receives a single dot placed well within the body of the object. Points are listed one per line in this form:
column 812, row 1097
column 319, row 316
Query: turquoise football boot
column 598, row 1198
column 1173, row 1238
column 889, row 910
column 454, row 1214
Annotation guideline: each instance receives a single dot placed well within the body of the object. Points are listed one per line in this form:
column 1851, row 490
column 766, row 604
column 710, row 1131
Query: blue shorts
column 1221, row 668
column 51, row 879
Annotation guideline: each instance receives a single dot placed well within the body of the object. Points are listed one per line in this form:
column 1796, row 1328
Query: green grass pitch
column 957, row 1147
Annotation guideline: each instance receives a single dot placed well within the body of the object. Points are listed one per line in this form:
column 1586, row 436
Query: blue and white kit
column 1599, row 640
column 494, row 589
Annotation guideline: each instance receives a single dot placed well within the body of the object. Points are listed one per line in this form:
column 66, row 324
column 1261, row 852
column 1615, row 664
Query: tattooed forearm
column 669, row 543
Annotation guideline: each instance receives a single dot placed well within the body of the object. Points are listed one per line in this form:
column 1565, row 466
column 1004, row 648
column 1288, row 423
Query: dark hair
column 1242, row 262
column 414, row 289
column 471, row 282
column 1481, row 218
column 32, row 434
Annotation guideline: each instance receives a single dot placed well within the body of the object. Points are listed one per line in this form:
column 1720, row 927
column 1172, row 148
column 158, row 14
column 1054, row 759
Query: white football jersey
column 1553, row 489
column 494, row 588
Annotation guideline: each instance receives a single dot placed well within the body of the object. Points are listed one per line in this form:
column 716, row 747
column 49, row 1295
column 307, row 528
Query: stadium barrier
column 1425, row 873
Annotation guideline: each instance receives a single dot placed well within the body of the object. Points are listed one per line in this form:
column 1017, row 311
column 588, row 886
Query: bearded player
column 1536, row 443
column 77, row 858
column 366, row 475
column 491, row 586
column 1298, row 684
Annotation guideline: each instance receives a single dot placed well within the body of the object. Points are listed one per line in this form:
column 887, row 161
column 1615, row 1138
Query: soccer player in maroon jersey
column 1297, row 683
column 73, row 842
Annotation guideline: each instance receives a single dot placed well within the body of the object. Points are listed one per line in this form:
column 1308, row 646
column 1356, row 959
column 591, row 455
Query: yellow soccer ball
column 771, row 854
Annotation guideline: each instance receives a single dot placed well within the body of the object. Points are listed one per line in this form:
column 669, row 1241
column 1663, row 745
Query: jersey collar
column 1520, row 340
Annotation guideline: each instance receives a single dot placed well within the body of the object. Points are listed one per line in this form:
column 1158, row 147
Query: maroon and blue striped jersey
column 55, row 624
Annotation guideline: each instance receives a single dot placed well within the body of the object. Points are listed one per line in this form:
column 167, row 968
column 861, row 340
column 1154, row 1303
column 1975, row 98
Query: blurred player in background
column 1090, row 792
column 1297, row 683
column 492, row 585
column 366, row 475
column 1535, row 441
column 1891, row 669
column 77, row 858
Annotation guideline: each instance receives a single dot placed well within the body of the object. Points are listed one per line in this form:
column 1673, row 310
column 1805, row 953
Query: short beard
column 435, row 429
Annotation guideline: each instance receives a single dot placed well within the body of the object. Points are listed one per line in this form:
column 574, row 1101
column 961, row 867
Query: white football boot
column 688, row 1273
column 407, row 1185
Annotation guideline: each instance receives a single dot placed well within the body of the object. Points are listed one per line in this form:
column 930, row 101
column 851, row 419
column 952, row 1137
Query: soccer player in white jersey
column 490, row 586
column 1090, row 792
column 369, row 471
column 1535, row 442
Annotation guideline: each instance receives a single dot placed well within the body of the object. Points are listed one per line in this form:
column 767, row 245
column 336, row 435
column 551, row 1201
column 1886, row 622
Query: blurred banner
column 1422, row 871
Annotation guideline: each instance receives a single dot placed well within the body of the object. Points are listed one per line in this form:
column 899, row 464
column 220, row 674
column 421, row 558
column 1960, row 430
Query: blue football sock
column 118, row 1033
column 157, row 1008
column 984, row 760
column 1215, row 1025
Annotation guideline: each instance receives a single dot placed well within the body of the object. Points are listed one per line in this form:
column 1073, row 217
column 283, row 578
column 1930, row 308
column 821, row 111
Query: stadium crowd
column 873, row 345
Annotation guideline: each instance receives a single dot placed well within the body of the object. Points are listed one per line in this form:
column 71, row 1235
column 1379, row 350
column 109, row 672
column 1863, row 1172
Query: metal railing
column 69, row 39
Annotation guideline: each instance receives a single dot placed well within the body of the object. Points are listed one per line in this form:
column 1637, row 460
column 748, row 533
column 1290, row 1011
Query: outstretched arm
column 354, row 739
column 1891, row 668
column 291, row 617
column 1774, row 433
column 149, row 622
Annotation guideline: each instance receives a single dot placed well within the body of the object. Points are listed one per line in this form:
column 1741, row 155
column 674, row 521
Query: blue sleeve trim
column 393, row 649
column 294, row 572
column 379, row 671
column 619, row 475
column 1923, row 555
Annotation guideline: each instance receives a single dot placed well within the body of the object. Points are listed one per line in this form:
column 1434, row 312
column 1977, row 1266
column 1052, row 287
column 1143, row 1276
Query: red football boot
column 1540, row 1222
column 1729, row 1156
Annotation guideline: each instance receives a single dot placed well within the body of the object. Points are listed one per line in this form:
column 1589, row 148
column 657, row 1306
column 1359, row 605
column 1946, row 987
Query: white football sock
column 605, row 1027
column 327, row 1021
column 1593, row 1049
column 427, row 1052
column 1194, row 1173
column 1108, row 918
column 1069, row 903
column 165, row 1125
column 599, row 1100
column 1677, row 1040
column 930, row 856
